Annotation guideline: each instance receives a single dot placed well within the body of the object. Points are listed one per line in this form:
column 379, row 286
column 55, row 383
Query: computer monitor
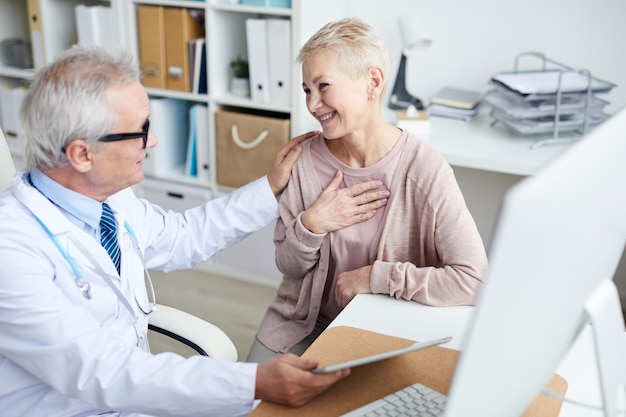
column 560, row 236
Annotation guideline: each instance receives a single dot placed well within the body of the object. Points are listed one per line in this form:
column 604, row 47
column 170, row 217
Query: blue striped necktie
column 108, row 235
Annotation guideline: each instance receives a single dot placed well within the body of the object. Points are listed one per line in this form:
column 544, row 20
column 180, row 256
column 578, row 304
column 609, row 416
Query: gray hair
column 357, row 46
column 67, row 101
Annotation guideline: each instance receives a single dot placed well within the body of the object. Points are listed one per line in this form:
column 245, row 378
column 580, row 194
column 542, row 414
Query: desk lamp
column 414, row 37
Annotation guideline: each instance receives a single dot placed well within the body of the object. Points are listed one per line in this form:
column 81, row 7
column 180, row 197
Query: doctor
column 73, row 318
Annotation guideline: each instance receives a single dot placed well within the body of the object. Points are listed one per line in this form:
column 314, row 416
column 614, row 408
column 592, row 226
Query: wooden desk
column 411, row 320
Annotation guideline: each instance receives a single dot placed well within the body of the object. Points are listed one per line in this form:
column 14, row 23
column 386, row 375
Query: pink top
column 350, row 250
column 425, row 246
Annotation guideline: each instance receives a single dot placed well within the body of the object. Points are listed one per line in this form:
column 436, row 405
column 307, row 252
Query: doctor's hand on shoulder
column 285, row 158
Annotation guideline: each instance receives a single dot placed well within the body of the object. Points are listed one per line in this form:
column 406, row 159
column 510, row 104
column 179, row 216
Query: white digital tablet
column 379, row 356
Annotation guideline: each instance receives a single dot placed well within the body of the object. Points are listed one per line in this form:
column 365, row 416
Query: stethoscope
column 85, row 288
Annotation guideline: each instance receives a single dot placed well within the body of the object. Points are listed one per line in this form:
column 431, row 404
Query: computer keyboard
column 414, row 400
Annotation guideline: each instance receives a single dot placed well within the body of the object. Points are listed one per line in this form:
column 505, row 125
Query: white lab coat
column 64, row 355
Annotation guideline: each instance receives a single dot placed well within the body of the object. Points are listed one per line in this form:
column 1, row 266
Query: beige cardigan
column 426, row 249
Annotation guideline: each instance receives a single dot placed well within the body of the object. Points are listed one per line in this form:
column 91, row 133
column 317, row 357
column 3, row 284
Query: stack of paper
column 550, row 82
column 520, row 108
column 547, row 101
column 455, row 103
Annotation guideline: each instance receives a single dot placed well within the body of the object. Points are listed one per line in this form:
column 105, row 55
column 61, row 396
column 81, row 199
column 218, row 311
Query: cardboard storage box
column 246, row 145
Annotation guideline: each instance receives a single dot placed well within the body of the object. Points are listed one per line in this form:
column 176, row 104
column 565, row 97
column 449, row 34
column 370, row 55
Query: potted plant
column 240, row 82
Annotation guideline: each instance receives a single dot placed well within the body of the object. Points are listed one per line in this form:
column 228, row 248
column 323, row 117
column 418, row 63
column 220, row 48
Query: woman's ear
column 79, row 155
column 376, row 79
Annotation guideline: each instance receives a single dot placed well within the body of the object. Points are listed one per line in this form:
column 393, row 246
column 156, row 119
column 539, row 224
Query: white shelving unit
column 225, row 34
column 225, row 38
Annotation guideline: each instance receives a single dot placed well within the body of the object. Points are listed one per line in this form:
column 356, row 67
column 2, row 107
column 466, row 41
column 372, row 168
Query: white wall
column 474, row 39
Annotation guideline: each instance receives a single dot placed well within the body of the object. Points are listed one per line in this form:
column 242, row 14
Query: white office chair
column 202, row 336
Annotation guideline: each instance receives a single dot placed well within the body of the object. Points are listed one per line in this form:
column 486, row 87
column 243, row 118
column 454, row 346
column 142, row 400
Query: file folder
column 191, row 164
column 95, row 25
column 279, row 60
column 203, row 166
column 180, row 29
column 151, row 36
column 168, row 122
column 85, row 22
column 10, row 102
column 256, row 37
column 36, row 32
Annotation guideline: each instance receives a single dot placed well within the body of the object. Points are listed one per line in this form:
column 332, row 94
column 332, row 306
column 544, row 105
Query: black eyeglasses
column 130, row 135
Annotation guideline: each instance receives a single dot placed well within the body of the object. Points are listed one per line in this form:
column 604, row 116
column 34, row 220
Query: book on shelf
column 457, row 98
column 197, row 65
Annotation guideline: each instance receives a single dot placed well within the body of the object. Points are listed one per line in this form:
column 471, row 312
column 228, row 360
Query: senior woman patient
column 423, row 245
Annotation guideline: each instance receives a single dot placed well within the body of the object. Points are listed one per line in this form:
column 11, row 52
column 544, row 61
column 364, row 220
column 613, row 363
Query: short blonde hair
column 357, row 45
